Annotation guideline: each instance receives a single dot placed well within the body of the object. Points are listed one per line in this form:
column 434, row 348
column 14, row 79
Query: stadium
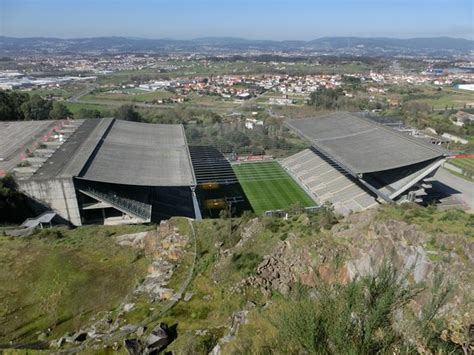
column 109, row 171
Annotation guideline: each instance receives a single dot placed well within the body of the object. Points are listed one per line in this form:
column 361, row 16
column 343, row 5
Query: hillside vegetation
column 393, row 280
column 54, row 281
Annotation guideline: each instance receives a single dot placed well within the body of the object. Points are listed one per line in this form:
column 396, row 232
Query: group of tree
column 326, row 98
column 421, row 115
column 236, row 138
column 336, row 99
column 128, row 113
column 20, row 106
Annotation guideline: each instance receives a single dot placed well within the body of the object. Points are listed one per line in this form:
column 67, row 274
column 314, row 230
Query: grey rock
column 129, row 328
column 158, row 338
column 57, row 343
column 128, row 307
column 187, row 296
column 216, row 350
column 139, row 332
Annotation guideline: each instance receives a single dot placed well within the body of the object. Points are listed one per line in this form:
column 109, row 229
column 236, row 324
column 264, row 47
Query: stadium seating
column 327, row 182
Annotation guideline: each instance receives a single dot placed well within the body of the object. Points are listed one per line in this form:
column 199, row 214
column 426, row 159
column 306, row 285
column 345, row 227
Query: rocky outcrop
column 359, row 246
column 166, row 247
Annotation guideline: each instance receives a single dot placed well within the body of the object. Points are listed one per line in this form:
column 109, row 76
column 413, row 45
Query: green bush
column 357, row 318
column 246, row 262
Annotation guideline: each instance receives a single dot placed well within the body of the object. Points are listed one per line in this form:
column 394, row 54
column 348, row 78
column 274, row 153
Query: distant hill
column 441, row 46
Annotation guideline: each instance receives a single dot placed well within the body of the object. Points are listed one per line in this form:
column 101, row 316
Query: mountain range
column 442, row 46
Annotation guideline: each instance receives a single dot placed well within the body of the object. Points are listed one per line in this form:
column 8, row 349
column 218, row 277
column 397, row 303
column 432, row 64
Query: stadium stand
column 327, row 182
column 388, row 163
column 110, row 171
column 19, row 139
column 217, row 185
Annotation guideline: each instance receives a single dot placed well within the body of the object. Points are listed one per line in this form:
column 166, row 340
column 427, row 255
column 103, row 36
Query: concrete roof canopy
column 144, row 154
column 362, row 146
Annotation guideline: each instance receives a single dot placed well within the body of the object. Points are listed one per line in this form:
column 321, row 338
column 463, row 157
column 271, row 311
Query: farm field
column 138, row 96
column 448, row 97
column 268, row 187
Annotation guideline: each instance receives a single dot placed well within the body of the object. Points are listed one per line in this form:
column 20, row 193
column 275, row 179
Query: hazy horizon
column 254, row 20
column 234, row 37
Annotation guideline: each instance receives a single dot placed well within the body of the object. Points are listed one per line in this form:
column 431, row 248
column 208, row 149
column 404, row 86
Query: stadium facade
column 111, row 171
column 355, row 162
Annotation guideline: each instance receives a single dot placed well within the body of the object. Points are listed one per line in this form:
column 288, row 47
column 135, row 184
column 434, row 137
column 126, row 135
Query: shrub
column 246, row 262
column 357, row 318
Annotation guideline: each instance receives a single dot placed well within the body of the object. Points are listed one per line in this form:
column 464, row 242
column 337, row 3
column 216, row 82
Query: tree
column 59, row 111
column 88, row 113
column 10, row 105
column 326, row 98
column 6, row 111
column 36, row 109
column 128, row 113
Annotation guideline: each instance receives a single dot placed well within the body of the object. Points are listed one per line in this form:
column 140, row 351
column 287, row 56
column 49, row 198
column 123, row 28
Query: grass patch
column 75, row 107
column 135, row 96
column 59, row 278
column 268, row 187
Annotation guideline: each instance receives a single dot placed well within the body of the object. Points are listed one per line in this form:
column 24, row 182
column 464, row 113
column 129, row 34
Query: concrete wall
column 57, row 194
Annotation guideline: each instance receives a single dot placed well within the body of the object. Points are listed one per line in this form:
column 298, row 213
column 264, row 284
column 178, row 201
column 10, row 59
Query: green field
column 130, row 95
column 466, row 164
column 463, row 163
column 268, row 187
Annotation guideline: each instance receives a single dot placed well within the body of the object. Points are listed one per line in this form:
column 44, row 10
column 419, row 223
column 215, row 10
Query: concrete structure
column 388, row 164
column 327, row 182
column 112, row 172
column 17, row 138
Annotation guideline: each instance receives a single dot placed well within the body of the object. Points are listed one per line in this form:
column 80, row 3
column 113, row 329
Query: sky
column 252, row 19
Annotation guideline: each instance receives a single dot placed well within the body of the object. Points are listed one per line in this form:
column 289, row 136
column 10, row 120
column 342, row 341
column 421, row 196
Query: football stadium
column 110, row 171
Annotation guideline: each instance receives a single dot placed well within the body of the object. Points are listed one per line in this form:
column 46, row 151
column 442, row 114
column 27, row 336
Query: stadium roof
column 141, row 154
column 121, row 152
column 361, row 145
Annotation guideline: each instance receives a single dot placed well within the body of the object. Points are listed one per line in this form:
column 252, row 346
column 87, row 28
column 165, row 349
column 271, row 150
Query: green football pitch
column 268, row 187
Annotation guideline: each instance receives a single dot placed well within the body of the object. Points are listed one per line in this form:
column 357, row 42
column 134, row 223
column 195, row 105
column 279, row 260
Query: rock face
column 133, row 346
column 359, row 247
column 135, row 240
column 166, row 246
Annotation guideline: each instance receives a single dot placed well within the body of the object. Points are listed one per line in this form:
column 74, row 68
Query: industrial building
column 355, row 162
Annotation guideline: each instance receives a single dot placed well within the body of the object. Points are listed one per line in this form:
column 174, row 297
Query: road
column 453, row 191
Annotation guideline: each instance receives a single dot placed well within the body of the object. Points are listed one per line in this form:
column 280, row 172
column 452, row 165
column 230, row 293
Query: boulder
column 128, row 307
column 158, row 338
